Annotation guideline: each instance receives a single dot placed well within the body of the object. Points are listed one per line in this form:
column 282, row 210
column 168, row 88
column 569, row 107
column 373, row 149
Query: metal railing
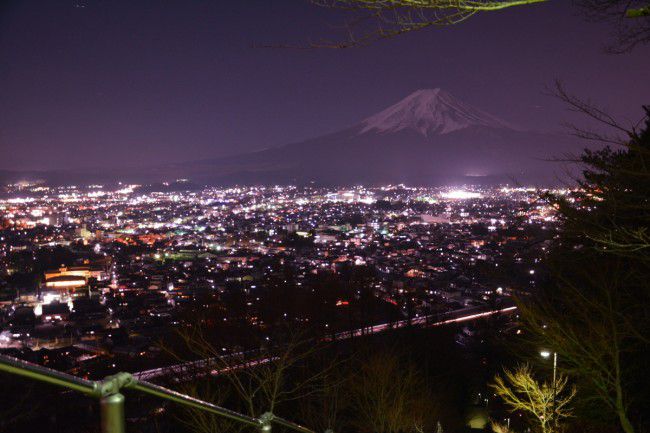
column 111, row 400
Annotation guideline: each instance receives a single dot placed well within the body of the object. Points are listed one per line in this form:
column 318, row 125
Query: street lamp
column 547, row 354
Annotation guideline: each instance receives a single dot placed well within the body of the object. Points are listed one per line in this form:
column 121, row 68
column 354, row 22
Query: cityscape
column 137, row 263
column 106, row 273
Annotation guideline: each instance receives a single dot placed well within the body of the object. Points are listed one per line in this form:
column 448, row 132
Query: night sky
column 131, row 82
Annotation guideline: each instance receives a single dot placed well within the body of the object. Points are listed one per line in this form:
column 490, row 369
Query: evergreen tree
column 594, row 309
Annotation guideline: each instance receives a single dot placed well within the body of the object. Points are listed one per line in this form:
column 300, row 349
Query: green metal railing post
column 112, row 413
column 111, row 399
column 266, row 419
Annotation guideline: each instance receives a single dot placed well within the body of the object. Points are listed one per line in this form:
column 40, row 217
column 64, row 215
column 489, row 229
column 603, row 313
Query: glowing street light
column 547, row 354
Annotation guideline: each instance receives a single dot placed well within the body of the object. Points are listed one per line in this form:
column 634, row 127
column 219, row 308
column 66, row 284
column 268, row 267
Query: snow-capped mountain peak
column 431, row 112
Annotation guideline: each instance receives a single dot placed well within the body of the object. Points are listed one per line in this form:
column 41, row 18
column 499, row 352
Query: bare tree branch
column 373, row 20
column 631, row 19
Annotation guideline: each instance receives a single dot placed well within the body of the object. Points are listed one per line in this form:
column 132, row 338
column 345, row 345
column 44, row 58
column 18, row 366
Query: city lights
column 460, row 194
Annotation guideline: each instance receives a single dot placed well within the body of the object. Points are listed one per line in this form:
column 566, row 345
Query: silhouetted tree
column 594, row 310
column 389, row 394
column 631, row 18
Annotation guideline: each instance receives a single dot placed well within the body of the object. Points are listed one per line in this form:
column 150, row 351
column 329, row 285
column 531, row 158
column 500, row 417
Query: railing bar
column 44, row 374
column 34, row 371
column 168, row 394
column 290, row 424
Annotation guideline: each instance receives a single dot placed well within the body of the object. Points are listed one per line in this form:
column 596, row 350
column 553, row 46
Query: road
column 188, row 369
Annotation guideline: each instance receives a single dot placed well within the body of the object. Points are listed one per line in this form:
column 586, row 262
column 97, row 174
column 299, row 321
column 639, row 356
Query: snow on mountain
column 431, row 112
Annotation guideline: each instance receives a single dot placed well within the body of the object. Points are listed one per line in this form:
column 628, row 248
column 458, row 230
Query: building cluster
column 92, row 278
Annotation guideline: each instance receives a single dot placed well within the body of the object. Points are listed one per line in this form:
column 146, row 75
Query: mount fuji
column 430, row 137
column 431, row 112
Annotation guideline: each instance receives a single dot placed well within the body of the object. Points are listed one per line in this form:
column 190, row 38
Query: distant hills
column 430, row 137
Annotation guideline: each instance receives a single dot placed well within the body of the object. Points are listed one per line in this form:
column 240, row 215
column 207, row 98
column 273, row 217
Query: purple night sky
column 130, row 82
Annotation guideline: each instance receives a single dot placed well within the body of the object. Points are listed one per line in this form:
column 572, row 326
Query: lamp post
column 547, row 354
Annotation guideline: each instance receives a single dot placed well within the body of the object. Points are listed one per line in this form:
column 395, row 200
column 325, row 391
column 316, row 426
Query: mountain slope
column 431, row 112
column 429, row 137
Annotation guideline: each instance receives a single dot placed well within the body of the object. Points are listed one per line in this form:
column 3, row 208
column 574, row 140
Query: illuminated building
column 65, row 282
column 76, row 271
